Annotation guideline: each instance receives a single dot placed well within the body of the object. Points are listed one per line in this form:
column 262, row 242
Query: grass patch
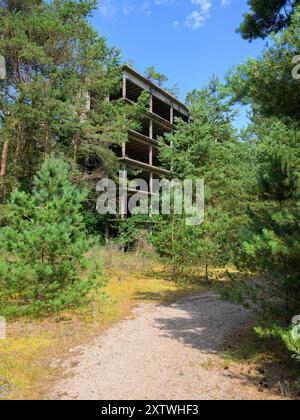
column 213, row 365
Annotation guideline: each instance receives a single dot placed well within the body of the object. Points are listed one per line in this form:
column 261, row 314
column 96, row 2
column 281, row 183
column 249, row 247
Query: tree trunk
column 30, row 163
column 75, row 149
column 206, row 274
column 24, row 159
column 173, row 256
column 47, row 144
column 3, row 169
column 17, row 152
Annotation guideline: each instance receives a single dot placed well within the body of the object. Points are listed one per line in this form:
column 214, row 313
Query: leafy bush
column 44, row 246
column 133, row 233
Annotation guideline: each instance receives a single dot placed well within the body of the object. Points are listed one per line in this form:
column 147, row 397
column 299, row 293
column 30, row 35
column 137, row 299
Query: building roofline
column 152, row 85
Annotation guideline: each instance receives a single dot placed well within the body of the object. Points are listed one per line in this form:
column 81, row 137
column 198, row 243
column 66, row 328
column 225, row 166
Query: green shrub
column 133, row 232
column 45, row 246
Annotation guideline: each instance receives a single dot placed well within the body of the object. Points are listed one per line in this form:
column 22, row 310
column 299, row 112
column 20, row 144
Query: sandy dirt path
column 160, row 353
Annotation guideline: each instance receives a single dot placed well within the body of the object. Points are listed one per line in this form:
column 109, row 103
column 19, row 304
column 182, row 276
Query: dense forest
column 56, row 132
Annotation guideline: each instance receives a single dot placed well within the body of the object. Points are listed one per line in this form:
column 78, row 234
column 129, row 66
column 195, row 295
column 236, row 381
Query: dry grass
column 26, row 371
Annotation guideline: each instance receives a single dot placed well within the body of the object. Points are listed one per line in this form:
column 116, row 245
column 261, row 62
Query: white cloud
column 107, row 8
column 195, row 20
column 225, row 2
column 137, row 8
column 198, row 16
column 200, row 10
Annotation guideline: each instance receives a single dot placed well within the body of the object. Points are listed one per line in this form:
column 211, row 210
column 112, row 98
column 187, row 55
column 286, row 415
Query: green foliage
column 161, row 80
column 266, row 83
column 44, row 246
column 156, row 77
column 180, row 246
column 271, row 246
column 290, row 336
column 133, row 231
column 207, row 148
column 60, row 73
column 266, row 17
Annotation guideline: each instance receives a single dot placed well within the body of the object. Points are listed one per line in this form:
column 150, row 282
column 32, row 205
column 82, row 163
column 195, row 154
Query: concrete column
column 124, row 87
column 2, row 68
column 151, row 155
column 123, row 194
column 151, row 183
column 172, row 114
column 151, row 103
column 123, row 150
column 151, row 129
column 124, row 95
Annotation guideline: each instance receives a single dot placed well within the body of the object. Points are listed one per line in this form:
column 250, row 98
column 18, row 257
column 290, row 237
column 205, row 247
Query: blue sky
column 188, row 40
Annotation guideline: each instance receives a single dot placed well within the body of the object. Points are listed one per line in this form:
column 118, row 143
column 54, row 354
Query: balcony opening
column 162, row 109
column 137, row 151
column 133, row 92
column 158, row 130
column 178, row 114
column 145, row 127
column 156, row 161
column 117, row 150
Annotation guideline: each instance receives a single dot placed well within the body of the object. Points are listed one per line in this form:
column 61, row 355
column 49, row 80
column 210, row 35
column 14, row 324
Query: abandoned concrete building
column 142, row 150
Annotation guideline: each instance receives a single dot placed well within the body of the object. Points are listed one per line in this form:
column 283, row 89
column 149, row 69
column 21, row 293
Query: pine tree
column 271, row 246
column 155, row 76
column 207, row 148
column 266, row 17
column 44, row 246
column 60, row 73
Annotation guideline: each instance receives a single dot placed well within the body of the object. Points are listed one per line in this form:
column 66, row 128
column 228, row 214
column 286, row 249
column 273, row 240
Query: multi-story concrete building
column 142, row 149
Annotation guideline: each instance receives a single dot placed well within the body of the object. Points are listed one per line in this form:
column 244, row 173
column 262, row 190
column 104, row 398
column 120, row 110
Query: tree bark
column 17, row 152
column 3, row 168
column 206, row 274
column 47, row 144
column 30, row 163
column 19, row 69
column 24, row 158
column 75, row 149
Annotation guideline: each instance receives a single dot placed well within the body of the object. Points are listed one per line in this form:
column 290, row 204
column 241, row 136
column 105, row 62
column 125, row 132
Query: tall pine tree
column 207, row 148
column 60, row 73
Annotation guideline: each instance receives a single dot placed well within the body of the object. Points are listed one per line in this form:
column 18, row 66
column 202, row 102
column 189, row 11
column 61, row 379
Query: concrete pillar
column 2, row 68
column 124, row 87
column 151, row 183
column 151, row 155
column 124, row 95
column 172, row 114
column 151, row 129
column 151, row 103
column 123, row 194
column 123, row 150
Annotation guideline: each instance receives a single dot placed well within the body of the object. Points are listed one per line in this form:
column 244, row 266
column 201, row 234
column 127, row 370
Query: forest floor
column 149, row 338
